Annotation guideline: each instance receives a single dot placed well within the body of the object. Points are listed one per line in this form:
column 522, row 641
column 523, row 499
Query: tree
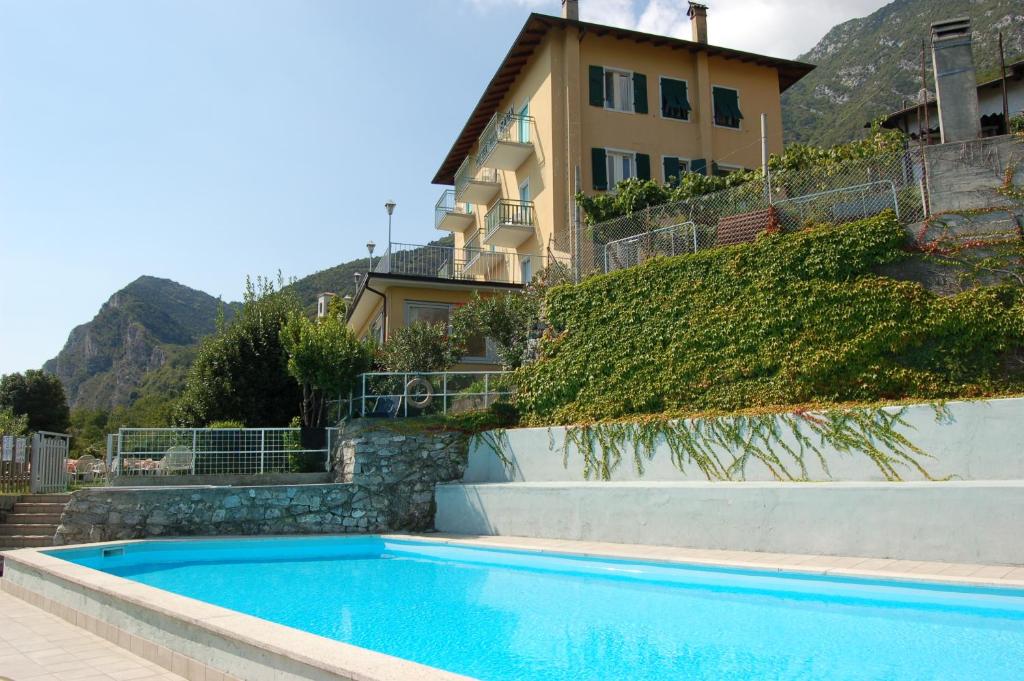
column 11, row 423
column 241, row 371
column 324, row 357
column 419, row 347
column 38, row 395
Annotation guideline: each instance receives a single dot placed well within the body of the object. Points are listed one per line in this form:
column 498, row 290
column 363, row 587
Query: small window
column 674, row 101
column 719, row 170
column 621, row 166
column 727, row 107
column 526, row 270
column 673, row 168
column 618, row 90
column 426, row 313
column 377, row 329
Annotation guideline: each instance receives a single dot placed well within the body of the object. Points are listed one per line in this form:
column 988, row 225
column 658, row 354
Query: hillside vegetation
column 867, row 67
column 789, row 319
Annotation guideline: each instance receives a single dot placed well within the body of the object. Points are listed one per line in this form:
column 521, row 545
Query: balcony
column 509, row 223
column 476, row 185
column 452, row 216
column 505, row 142
column 472, row 263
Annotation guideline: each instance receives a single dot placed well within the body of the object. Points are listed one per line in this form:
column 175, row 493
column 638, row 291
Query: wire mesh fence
column 219, row 451
column 831, row 193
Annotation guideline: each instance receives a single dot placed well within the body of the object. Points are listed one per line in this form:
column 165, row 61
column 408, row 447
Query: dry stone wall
column 384, row 473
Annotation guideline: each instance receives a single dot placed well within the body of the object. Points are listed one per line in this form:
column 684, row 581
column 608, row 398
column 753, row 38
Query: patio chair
column 385, row 407
column 177, row 461
column 85, row 467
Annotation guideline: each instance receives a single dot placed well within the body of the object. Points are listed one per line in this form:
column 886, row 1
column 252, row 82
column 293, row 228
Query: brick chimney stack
column 571, row 9
column 698, row 22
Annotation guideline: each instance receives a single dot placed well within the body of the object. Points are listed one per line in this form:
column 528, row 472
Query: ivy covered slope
column 790, row 319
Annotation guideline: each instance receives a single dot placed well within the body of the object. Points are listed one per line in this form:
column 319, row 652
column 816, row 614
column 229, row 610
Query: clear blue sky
column 204, row 140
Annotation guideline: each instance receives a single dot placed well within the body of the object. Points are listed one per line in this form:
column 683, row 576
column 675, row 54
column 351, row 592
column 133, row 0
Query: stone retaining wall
column 384, row 471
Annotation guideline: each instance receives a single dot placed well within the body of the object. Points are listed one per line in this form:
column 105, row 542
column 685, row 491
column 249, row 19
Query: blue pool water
column 498, row 615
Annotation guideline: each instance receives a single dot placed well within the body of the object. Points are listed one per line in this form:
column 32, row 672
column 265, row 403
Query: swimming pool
column 501, row 614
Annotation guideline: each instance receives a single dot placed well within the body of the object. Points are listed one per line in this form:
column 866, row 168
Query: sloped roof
column 530, row 37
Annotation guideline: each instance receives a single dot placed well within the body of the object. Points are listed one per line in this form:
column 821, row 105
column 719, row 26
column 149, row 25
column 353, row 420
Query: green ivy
column 790, row 319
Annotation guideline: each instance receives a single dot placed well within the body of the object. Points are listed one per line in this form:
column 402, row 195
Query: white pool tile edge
column 319, row 657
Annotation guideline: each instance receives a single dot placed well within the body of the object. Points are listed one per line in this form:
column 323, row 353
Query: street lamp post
column 390, row 207
column 370, row 246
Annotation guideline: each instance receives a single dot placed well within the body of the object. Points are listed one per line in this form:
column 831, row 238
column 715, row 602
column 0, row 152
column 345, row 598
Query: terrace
column 471, row 263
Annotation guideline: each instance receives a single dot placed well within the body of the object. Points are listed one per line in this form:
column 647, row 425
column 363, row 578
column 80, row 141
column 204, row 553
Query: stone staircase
column 33, row 521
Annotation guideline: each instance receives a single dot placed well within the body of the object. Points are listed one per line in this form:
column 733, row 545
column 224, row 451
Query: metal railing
column 509, row 212
column 216, row 451
column 466, row 264
column 470, row 171
column 421, row 393
column 503, row 127
column 447, row 205
column 633, row 250
column 792, row 199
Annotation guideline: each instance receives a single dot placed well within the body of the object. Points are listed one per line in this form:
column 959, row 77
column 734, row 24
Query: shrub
column 418, row 347
column 38, row 395
column 788, row 319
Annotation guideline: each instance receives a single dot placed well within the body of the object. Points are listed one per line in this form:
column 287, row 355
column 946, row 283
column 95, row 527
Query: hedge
column 787, row 320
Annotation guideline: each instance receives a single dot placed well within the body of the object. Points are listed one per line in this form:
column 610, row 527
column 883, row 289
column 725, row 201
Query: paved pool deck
column 38, row 646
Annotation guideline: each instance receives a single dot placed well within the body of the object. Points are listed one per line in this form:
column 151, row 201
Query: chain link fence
column 832, row 193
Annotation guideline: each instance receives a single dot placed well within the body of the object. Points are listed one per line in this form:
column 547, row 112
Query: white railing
column 667, row 241
column 216, row 451
column 418, row 393
column 49, row 471
column 448, row 262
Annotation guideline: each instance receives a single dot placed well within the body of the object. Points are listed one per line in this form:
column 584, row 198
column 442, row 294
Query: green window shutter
column 643, row 166
column 597, row 86
column 726, row 107
column 674, row 103
column 671, row 167
column 600, row 169
column 639, row 93
column 699, row 165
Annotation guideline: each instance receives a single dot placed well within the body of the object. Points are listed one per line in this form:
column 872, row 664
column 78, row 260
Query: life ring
column 419, row 393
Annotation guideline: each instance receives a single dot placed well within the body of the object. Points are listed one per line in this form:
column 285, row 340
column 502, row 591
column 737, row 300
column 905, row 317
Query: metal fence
column 467, row 264
column 217, row 451
column 833, row 193
column 422, row 393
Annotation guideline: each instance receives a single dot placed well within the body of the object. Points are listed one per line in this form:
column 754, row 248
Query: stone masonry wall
column 385, row 474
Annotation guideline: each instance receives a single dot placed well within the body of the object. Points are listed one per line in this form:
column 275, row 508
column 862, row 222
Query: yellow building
column 577, row 107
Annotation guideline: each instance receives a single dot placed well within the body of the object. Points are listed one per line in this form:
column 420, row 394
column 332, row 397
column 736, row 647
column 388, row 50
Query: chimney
column 698, row 22
column 956, row 88
column 571, row 9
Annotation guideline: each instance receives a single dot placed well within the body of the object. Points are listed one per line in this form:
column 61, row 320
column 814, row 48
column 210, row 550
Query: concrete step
column 10, row 529
column 25, row 541
column 37, row 507
column 33, row 518
column 45, row 498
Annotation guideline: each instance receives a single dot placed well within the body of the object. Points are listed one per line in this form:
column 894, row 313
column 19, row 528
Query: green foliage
column 226, row 425
column 324, row 357
column 635, row 195
column 419, row 347
column 505, row 319
column 789, row 319
column 1017, row 124
column 38, row 395
column 11, row 423
column 241, row 373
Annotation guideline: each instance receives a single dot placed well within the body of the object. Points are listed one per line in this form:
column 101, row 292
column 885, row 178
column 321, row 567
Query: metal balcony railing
column 509, row 212
column 503, row 127
column 471, row 263
column 447, row 205
column 469, row 171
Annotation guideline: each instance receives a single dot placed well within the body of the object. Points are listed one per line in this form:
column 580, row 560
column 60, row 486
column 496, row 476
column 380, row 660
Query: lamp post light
column 370, row 246
column 389, row 206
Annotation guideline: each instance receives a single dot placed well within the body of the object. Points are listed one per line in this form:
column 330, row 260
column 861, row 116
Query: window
column 727, row 107
column 618, row 90
column 524, row 123
column 673, row 168
column 722, row 170
column 526, row 270
column 621, row 166
column 674, row 102
column 426, row 313
column 377, row 329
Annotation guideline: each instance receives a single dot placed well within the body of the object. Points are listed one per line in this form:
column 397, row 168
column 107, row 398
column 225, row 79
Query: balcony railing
column 505, row 142
column 471, row 263
column 474, row 184
column 451, row 215
column 509, row 212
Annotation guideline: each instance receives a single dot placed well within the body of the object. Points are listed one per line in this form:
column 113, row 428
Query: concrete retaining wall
column 969, row 522
column 979, row 440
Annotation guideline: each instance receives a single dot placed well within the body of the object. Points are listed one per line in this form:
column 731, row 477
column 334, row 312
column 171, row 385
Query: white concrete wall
column 968, row 522
column 981, row 440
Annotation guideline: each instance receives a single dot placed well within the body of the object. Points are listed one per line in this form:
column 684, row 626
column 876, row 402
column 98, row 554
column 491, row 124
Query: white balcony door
column 524, row 191
column 524, row 124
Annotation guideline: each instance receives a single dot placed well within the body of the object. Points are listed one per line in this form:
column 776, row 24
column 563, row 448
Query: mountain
column 867, row 67
column 143, row 336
